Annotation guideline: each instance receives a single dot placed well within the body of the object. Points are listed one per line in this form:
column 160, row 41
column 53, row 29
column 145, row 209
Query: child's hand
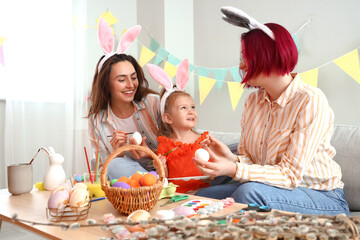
column 163, row 163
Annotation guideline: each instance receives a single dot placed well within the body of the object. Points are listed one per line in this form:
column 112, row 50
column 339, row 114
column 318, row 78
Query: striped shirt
column 146, row 118
column 286, row 143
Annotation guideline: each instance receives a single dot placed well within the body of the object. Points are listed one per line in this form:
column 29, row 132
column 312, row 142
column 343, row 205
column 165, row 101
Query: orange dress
column 180, row 164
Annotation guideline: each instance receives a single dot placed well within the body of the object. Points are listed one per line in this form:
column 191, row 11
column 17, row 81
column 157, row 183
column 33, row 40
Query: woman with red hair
column 285, row 160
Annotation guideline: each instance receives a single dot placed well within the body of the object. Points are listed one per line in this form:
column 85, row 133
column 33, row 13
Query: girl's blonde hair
column 165, row 129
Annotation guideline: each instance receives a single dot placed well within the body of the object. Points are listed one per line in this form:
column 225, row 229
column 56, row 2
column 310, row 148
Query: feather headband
column 160, row 76
column 107, row 41
column 241, row 19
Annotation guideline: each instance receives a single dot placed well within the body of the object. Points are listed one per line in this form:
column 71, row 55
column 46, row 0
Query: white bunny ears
column 107, row 41
column 160, row 76
column 239, row 18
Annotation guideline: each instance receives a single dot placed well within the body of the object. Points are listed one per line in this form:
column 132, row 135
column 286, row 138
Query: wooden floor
column 10, row 231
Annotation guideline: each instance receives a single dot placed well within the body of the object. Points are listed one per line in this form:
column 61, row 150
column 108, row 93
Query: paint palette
column 198, row 204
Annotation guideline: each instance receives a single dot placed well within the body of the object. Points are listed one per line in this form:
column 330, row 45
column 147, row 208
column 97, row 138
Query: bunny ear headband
column 107, row 41
column 160, row 76
column 239, row 18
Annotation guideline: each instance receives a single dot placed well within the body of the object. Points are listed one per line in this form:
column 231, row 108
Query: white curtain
column 43, row 98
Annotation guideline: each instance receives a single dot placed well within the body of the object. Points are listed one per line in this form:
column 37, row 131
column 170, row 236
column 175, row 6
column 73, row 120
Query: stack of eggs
column 136, row 180
column 62, row 196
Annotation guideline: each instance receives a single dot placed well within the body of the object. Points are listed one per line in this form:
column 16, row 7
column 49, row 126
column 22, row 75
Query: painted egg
column 121, row 184
column 148, row 180
column 79, row 199
column 113, row 181
column 138, row 138
column 202, row 154
column 77, row 186
column 58, row 188
column 137, row 216
column 123, row 179
column 184, row 211
column 136, row 176
column 58, row 200
column 154, row 173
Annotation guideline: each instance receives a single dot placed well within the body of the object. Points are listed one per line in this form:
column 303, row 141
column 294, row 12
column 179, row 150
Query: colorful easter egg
column 123, row 179
column 136, row 176
column 121, row 184
column 137, row 216
column 134, row 183
column 148, row 180
column 58, row 201
column 79, row 199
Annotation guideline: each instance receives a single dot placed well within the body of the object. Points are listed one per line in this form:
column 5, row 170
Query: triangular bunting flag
column 296, row 42
column 191, row 67
column 124, row 31
column 219, row 74
column 170, row 69
column 107, row 15
column 350, row 64
column 235, row 73
column 310, row 77
column 203, row 71
column 154, row 45
column 2, row 59
column 2, row 39
column 235, row 90
column 205, row 85
column 145, row 56
column 161, row 56
column 173, row 60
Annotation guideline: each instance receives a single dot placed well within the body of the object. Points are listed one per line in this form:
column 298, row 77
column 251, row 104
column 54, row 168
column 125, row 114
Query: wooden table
column 32, row 206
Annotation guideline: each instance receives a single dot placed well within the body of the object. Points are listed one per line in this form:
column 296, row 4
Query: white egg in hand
column 202, row 154
column 138, row 138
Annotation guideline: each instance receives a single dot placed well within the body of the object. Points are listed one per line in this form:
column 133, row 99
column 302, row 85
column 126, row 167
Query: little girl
column 178, row 141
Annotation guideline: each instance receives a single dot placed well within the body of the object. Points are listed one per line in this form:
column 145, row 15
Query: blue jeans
column 302, row 200
column 123, row 166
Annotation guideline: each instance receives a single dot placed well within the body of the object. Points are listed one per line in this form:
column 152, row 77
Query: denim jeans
column 302, row 200
column 123, row 166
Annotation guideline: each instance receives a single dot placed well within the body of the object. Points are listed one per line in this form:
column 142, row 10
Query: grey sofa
column 346, row 140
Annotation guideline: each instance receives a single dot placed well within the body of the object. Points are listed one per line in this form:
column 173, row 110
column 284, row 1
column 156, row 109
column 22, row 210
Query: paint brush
column 35, row 156
column 125, row 134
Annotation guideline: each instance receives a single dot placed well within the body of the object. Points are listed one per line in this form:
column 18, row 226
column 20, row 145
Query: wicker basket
column 128, row 200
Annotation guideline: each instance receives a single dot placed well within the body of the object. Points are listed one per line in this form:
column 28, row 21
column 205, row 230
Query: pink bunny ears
column 160, row 76
column 107, row 41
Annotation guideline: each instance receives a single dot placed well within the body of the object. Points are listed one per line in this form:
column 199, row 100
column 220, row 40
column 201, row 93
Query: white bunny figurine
column 55, row 174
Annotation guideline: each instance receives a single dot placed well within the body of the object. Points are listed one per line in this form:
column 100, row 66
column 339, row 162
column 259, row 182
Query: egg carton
column 67, row 213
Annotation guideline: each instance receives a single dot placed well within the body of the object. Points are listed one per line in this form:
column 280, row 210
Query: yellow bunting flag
column 145, row 56
column 310, row 77
column 124, row 31
column 78, row 23
column 170, row 69
column 235, row 90
column 350, row 64
column 2, row 39
column 107, row 15
column 205, row 85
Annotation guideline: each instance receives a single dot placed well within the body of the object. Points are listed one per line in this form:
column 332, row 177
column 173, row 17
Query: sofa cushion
column 346, row 140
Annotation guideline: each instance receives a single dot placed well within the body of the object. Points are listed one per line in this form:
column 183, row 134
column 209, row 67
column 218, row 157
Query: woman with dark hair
column 121, row 103
column 285, row 158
